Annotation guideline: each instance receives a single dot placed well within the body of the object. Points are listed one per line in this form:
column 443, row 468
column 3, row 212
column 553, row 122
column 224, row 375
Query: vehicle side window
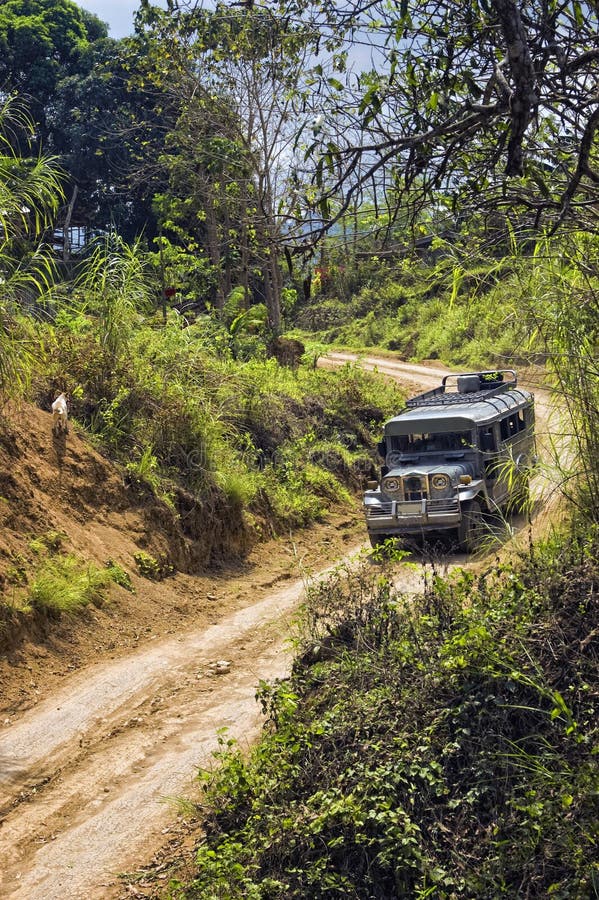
column 511, row 425
column 487, row 439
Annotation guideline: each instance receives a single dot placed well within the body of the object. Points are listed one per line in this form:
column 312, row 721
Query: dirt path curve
column 417, row 376
column 84, row 771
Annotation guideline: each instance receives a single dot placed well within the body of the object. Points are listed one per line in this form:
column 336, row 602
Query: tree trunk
column 524, row 98
column 227, row 274
column 214, row 251
column 66, row 237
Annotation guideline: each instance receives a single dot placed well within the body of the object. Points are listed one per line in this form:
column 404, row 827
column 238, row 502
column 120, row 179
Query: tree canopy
column 41, row 41
column 490, row 105
column 251, row 129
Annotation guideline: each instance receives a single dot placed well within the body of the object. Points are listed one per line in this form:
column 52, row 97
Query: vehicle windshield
column 431, row 443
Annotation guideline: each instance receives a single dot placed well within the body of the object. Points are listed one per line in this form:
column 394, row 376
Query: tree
column 93, row 127
column 231, row 78
column 486, row 104
column 61, row 62
column 41, row 41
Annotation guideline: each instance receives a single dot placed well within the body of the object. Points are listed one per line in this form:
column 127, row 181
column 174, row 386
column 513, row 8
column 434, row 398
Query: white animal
column 60, row 415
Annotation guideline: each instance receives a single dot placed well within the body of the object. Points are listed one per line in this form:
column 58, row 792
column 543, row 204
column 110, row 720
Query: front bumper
column 411, row 517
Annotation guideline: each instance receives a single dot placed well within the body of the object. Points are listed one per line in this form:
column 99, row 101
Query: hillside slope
column 59, row 484
column 64, row 491
column 63, row 484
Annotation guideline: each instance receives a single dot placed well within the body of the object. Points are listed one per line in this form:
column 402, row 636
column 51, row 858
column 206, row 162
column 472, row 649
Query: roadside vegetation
column 267, row 445
column 45, row 583
column 440, row 745
column 443, row 745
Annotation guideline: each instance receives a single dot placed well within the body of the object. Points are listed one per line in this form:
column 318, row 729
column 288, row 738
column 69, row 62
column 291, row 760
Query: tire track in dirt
column 83, row 774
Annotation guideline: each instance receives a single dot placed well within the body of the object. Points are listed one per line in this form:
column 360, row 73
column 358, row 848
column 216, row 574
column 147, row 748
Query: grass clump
column 49, row 542
column 52, row 586
column 119, row 575
column 65, row 584
column 444, row 746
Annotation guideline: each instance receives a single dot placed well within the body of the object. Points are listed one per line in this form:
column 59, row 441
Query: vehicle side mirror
column 382, row 448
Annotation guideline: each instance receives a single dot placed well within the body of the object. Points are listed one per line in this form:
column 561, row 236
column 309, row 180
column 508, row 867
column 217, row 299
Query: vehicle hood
column 455, row 469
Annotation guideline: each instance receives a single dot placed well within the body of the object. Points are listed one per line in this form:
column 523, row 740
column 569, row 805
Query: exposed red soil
column 61, row 484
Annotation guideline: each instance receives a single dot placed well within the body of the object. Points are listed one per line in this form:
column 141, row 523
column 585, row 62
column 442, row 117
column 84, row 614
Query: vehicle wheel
column 471, row 528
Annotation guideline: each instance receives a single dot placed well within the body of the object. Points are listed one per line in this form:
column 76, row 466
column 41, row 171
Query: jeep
column 456, row 453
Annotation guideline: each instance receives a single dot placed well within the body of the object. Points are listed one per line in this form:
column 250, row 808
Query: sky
column 117, row 13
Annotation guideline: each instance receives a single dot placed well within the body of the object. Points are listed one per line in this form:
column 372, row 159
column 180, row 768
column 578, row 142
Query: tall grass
column 563, row 312
column 64, row 584
column 115, row 286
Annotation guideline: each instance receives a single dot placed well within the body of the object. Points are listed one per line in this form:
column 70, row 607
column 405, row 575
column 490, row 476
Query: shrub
column 150, row 567
column 119, row 575
column 441, row 746
column 64, row 584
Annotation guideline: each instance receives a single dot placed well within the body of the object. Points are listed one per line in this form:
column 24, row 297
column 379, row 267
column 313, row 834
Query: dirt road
column 84, row 772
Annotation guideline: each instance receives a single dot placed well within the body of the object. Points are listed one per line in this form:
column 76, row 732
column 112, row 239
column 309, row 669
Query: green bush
column 119, row 575
column 442, row 746
column 150, row 567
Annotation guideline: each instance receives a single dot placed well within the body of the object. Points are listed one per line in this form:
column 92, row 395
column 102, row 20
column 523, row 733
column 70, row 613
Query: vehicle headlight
column 391, row 485
column 440, row 482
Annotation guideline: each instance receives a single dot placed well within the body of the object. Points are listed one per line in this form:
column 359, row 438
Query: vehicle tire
column 471, row 528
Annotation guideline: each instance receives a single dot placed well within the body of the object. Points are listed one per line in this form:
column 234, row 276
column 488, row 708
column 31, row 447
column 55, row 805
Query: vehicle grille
column 382, row 509
column 415, row 487
column 444, row 505
column 433, row 508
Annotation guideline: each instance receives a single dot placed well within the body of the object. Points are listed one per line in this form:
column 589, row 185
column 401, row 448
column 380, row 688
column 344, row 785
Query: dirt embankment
column 61, row 486
column 59, row 489
column 105, row 714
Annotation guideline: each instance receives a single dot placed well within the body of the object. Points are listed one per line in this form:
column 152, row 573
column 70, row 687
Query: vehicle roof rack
column 469, row 387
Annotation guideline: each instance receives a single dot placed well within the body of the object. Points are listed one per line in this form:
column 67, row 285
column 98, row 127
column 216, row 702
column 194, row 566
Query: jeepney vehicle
column 456, row 453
